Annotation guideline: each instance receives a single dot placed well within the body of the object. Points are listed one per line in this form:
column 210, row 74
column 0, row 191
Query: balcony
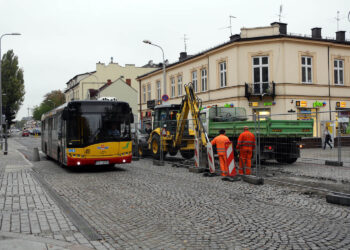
column 259, row 90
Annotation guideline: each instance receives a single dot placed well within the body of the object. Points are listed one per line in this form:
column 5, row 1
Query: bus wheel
column 187, row 154
column 60, row 158
column 155, row 146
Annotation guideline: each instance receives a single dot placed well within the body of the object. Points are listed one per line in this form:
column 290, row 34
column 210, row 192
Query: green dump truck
column 278, row 139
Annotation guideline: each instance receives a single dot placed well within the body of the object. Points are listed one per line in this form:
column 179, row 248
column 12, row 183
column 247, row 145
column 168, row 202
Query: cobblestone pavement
column 140, row 205
column 26, row 208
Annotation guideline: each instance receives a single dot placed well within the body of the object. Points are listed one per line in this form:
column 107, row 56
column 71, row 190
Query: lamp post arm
column 164, row 72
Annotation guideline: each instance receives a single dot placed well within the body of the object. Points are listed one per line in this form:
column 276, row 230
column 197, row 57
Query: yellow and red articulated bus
column 88, row 133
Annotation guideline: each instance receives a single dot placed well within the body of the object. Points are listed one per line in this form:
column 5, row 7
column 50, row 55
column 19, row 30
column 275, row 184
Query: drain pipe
column 329, row 89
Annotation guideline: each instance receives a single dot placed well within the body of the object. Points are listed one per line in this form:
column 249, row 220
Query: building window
column 149, row 92
column 159, row 93
column 172, row 87
column 204, row 82
column 179, row 85
column 260, row 74
column 223, row 82
column 339, row 72
column 144, row 93
column 194, row 81
column 306, row 69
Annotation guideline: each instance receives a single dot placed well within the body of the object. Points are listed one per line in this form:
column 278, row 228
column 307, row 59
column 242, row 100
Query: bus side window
column 59, row 128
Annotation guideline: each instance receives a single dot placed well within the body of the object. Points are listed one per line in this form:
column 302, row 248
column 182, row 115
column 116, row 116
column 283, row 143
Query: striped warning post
column 196, row 153
column 230, row 160
column 211, row 158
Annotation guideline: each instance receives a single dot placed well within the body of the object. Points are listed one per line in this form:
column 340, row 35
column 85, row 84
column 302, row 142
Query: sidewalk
column 29, row 218
column 319, row 155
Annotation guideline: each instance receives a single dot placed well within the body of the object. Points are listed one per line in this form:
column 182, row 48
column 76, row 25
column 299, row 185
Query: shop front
column 309, row 110
column 343, row 117
column 262, row 109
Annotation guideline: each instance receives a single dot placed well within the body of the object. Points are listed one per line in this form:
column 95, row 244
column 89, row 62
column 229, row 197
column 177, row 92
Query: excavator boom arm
column 190, row 102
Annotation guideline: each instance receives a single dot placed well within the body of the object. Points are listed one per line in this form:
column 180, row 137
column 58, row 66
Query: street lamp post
column 1, row 141
column 164, row 93
column 164, row 74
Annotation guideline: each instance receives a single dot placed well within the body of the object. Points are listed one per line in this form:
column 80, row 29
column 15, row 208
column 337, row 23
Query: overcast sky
column 63, row 38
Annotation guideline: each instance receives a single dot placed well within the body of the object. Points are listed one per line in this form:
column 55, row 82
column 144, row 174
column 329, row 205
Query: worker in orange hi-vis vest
column 220, row 142
column 245, row 145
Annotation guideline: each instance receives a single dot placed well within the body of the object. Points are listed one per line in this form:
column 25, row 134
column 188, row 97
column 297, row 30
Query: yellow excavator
column 171, row 130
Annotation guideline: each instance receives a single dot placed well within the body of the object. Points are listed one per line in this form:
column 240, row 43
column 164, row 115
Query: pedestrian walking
column 245, row 145
column 220, row 142
column 327, row 139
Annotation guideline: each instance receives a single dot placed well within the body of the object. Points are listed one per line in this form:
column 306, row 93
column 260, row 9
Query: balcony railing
column 260, row 90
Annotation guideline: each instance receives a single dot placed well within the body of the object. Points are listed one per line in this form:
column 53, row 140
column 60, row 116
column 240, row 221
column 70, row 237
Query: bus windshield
column 92, row 124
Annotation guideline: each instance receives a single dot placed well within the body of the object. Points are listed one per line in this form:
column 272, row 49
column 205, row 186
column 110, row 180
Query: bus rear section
column 91, row 133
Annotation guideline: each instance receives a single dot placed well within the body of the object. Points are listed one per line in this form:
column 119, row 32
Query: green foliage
column 52, row 100
column 12, row 84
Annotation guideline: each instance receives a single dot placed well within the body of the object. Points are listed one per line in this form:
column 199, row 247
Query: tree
column 51, row 100
column 12, row 85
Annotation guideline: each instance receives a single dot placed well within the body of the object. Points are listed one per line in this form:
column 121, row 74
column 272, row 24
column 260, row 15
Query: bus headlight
column 124, row 160
column 78, row 163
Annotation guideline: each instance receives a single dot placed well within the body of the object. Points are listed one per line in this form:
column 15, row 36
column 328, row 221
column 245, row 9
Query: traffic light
column 10, row 115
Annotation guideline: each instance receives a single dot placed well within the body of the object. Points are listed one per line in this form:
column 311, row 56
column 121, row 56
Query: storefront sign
column 318, row 104
column 301, row 103
column 255, row 104
column 151, row 104
column 229, row 105
column 341, row 104
column 268, row 104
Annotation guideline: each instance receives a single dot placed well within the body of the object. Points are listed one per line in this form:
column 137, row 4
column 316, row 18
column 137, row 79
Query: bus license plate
column 101, row 162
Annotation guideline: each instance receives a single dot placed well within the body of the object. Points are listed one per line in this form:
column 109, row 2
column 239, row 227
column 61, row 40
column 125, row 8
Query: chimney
column 109, row 82
column 340, row 36
column 235, row 37
column 183, row 56
column 128, row 81
column 282, row 29
column 316, row 33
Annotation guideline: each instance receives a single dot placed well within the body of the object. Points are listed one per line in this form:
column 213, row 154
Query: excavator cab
column 166, row 115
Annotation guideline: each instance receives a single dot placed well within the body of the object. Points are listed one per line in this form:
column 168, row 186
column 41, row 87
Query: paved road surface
column 144, row 206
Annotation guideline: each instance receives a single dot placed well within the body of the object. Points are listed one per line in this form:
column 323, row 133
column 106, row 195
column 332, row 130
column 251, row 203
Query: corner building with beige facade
column 265, row 70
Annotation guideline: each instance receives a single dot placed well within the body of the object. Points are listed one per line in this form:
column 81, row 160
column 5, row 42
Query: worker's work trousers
column 223, row 165
column 245, row 160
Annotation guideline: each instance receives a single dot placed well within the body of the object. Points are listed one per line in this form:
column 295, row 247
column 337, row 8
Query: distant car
column 25, row 133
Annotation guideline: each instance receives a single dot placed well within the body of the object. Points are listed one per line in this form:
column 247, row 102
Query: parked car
column 25, row 133
column 141, row 145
